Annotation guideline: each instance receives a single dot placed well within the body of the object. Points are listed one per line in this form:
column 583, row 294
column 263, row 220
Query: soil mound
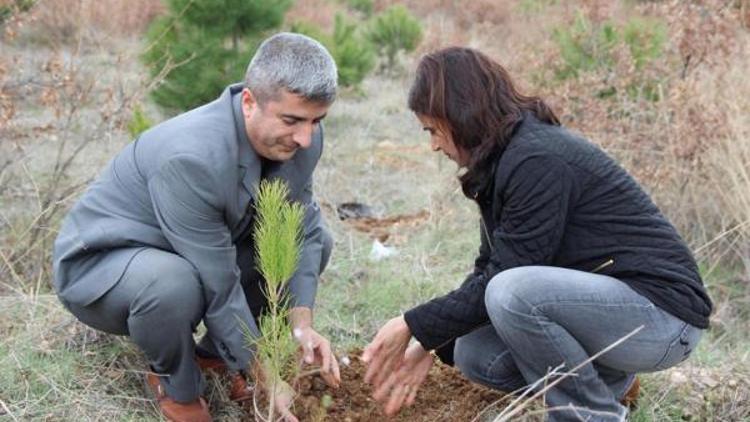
column 445, row 396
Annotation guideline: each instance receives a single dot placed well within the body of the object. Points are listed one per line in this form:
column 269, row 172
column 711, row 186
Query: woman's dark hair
column 475, row 97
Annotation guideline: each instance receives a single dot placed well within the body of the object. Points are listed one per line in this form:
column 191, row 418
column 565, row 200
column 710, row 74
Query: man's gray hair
column 293, row 62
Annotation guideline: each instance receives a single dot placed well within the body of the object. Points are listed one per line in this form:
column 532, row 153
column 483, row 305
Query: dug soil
column 445, row 396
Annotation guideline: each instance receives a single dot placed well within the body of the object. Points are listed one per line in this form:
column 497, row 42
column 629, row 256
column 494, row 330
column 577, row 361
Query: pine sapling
column 278, row 239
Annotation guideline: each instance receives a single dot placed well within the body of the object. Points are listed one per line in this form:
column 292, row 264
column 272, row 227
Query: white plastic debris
column 379, row 251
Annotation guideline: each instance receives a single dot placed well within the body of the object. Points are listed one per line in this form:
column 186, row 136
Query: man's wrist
column 300, row 318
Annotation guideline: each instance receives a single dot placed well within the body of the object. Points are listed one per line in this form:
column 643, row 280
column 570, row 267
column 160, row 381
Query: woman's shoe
column 630, row 399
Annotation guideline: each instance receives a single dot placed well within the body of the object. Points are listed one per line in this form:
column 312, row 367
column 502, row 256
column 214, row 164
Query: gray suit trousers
column 159, row 302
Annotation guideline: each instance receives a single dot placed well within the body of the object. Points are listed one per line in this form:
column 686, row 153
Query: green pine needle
column 278, row 240
column 278, row 233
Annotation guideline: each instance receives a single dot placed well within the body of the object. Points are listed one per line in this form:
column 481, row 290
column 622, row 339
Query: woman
column 574, row 256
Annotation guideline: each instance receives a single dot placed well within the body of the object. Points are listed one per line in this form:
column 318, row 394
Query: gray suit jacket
column 187, row 186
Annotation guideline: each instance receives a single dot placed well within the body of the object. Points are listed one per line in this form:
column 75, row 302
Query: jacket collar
column 249, row 161
column 484, row 192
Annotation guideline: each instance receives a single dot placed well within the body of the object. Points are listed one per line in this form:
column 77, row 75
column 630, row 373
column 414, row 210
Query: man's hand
column 400, row 388
column 283, row 399
column 386, row 351
column 316, row 349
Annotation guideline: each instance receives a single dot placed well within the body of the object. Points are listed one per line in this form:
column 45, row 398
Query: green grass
column 55, row 369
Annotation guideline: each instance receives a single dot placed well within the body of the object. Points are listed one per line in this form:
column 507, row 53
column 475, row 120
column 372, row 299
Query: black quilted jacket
column 559, row 200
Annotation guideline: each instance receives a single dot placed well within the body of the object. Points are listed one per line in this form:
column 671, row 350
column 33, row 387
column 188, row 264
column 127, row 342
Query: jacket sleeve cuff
column 418, row 330
column 443, row 351
column 303, row 296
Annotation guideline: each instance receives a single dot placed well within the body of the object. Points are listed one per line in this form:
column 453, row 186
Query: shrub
column 138, row 123
column 395, row 30
column 585, row 46
column 12, row 7
column 363, row 6
column 645, row 39
column 353, row 53
column 204, row 48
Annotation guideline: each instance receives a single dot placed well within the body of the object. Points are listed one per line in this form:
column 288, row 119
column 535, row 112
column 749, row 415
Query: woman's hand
column 400, row 388
column 386, row 351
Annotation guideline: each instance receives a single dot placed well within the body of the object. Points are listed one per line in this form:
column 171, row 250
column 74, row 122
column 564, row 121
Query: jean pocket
column 680, row 347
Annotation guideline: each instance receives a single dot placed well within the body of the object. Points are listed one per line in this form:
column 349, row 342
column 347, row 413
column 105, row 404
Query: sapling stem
column 278, row 239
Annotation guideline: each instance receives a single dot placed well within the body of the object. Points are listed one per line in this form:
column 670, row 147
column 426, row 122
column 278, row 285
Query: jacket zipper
column 606, row 264
column 486, row 234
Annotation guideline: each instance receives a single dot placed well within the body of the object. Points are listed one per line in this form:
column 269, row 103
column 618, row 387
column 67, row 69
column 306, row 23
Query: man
column 163, row 238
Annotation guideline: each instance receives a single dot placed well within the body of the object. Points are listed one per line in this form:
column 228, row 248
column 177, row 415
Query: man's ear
column 249, row 102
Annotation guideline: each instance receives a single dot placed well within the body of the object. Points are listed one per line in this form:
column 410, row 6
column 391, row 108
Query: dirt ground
column 445, row 396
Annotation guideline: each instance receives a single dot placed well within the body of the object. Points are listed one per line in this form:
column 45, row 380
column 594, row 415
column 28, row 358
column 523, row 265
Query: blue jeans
column 544, row 316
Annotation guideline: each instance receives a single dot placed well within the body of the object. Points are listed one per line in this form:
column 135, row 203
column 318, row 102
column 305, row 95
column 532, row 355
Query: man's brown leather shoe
column 630, row 399
column 195, row 411
column 239, row 389
column 216, row 364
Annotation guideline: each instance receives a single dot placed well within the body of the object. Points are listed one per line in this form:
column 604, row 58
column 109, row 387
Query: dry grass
column 319, row 13
column 466, row 14
column 66, row 21
column 64, row 109
column 730, row 159
column 56, row 369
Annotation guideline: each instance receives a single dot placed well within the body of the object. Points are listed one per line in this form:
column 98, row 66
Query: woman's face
column 441, row 140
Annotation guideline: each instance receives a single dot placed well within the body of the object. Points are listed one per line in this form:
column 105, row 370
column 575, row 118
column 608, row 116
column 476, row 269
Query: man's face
column 281, row 126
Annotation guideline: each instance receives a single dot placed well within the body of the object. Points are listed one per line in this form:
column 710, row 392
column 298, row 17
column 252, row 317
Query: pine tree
column 278, row 243
column 394, row 30
column 211, row 41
